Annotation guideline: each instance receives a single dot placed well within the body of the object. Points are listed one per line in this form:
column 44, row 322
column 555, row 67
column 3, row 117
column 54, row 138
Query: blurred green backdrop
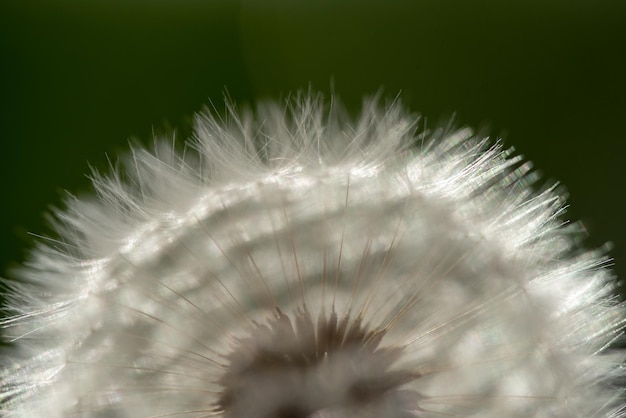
column 79, row 78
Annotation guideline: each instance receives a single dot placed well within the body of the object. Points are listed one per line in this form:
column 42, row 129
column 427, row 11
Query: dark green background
column 79, row 78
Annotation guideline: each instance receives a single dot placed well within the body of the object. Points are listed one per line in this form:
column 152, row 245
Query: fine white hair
column 292, row 263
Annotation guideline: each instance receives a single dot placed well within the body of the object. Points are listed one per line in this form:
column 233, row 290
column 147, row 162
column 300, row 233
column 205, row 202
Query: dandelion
column 292, row 264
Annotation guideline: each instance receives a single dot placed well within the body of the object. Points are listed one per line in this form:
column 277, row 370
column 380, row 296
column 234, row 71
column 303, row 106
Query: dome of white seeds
column 291, row 264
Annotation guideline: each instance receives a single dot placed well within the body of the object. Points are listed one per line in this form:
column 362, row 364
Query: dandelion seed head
column 294, row 263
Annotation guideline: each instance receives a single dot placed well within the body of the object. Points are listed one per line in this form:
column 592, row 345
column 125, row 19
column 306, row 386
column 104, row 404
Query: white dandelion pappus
column 296, row 265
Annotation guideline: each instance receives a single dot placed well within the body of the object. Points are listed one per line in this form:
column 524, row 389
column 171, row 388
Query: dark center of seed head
column 292, row 369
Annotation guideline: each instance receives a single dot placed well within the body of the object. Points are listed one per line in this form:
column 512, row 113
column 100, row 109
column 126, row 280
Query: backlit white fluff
column 213, row 282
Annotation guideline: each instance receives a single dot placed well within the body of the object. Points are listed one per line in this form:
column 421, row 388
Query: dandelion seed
column 301, row 266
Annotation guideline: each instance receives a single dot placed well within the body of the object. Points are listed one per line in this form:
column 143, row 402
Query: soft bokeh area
column 81, row 78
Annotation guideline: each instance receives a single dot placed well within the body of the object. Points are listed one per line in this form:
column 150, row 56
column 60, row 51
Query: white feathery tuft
column 291, row 264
